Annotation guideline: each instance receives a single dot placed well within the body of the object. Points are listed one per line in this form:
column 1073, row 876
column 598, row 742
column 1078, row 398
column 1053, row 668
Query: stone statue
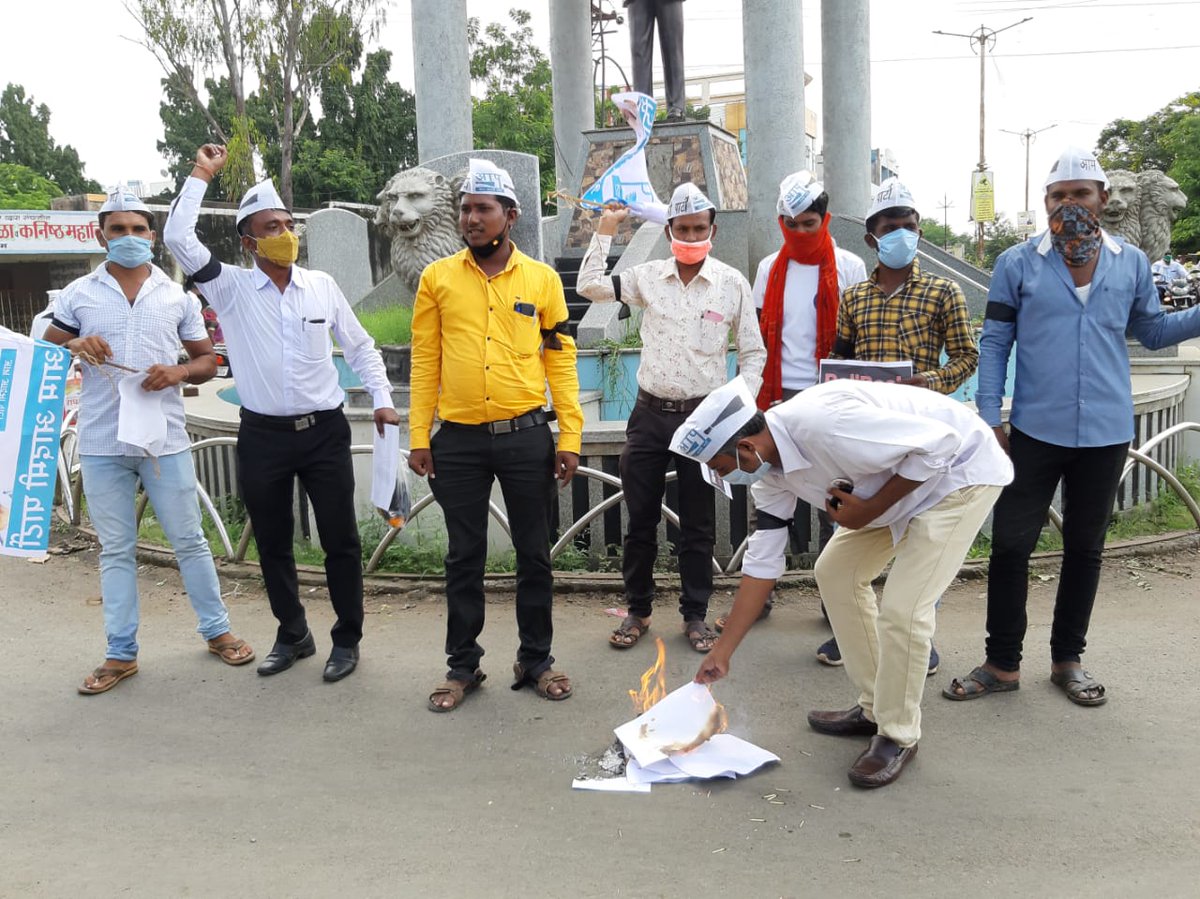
column 418, row 210
column 669, row 15
column 1142, row 207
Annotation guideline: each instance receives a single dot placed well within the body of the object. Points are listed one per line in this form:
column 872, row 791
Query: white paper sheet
column 384, row 467
column 140, row 419
column 676, row 720
column 658, row 773
column 611, row 785
column 723, row 756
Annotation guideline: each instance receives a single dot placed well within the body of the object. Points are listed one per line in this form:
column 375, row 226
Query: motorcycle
column 1181, row 294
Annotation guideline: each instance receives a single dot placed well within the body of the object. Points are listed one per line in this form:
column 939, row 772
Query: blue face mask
column 745, row 478
column 897, row 249
column 129, row 251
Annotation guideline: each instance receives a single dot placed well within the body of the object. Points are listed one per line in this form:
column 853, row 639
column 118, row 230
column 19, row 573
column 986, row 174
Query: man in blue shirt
column 1070, row 294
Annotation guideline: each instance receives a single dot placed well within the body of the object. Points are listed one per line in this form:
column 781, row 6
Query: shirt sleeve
column 594, row 285
column 999, row 332
column 191, row 323
column 1153, row 327
column 761, row 277
column 961, row 352
column 766, row 550
column 359, row 348
column 561, row 373
column 843, row 344
column 751, row 353
column 66, row 318
column 197, row 260
column 426, row 376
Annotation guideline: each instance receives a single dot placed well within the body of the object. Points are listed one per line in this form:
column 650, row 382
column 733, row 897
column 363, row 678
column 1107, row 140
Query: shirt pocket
column 710, row 334
column 916, row 333
column 524, row 327
column 315, row 342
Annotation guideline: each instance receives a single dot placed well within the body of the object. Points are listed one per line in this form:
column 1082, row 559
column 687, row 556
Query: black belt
column 658, row 404
column 289, row 422
column 530, row 419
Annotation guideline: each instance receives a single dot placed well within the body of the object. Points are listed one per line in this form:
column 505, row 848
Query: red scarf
column 807, row 249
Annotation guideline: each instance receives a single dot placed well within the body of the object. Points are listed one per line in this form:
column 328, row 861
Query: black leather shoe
column 283, row 655
column 850, row 723
column 342, row 661
column 881, row 763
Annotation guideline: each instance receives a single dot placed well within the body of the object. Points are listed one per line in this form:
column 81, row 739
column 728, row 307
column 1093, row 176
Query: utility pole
column 1027, row 137
column 944, row 206
column 983, row 37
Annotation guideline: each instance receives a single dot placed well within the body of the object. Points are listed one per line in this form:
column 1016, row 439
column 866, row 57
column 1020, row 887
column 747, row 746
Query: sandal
column 105, row 678
column 978, row 683
column 1076, row 682
column 228, row 652
column 543, row 682
column 456, row 689
column 698, row 634
column 631, row 627
column 723, row 620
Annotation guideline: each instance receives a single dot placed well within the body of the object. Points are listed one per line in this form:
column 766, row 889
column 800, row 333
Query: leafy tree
column 998, row 236
column 25, row 141
column 937, row 233
column 1168, row 140
column 23, row 188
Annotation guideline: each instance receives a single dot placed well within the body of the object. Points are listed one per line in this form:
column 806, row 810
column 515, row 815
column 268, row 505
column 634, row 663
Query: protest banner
column 856, row 370
column 32, row 385
column 626, row 181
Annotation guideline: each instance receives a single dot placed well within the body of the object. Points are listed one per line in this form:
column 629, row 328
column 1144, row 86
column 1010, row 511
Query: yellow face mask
column 282, row 249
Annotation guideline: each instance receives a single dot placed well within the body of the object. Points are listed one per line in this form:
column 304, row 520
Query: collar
column 913, row 275
column 101, row 274
column 515, row 258
column 261, row 279
column 1044, row 244
column 672, row 270
column 790, row 457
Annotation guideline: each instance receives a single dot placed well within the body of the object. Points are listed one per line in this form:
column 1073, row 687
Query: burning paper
column 681, row 722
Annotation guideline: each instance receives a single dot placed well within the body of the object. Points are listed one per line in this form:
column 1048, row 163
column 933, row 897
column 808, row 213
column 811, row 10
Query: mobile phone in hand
column 845, row 485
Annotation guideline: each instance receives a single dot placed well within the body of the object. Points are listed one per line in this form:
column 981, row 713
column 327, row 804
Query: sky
column 1077, row 65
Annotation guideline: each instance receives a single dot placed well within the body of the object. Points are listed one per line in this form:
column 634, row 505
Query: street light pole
column 945, row 206
column 984, row 37
column 1027, row 137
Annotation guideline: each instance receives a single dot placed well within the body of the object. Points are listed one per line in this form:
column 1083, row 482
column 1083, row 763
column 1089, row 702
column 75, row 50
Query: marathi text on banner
column 49, row 231
column 32, row 386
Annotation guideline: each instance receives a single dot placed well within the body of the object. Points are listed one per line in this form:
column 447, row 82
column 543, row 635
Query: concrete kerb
column 398, row 583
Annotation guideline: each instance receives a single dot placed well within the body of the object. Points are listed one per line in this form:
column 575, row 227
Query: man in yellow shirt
column 489, row 331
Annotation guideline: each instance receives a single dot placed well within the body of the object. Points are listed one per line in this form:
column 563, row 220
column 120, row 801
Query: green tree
column 25, row 141
column 937, row 233
column 998, row 236
column 516, row 112
column 23, row 188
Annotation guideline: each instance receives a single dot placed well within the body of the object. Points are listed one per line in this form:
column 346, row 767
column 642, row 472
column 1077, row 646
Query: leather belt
column 530, row 419
column 658, row 404
column 289, row 422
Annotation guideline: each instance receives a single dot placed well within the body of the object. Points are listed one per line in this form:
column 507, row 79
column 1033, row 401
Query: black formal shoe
column 342, row 661
column 283, row 655
column 850, row 723
column 881, row 763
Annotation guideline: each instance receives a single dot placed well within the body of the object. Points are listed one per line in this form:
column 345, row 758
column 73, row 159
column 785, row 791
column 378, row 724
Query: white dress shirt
column 868, row 432
column 146, row 332
column 685, row 327
column 799, row 362
column 279, row 343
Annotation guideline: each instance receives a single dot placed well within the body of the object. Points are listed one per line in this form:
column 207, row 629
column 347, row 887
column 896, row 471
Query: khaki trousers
column 885, row 644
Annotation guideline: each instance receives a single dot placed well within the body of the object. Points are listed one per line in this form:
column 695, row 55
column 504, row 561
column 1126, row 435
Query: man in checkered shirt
column 128, row 312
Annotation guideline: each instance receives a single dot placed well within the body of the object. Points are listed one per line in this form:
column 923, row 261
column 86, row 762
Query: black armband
column 208, row 271
column 625, row 311
column 765, row 521
column 843, row 348
column 1000, row 312
column 63, row 326
column 550, row 335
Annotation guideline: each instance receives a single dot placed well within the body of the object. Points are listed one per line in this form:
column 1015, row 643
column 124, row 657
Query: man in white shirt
column 918, row 473
column 691, row 304
column 1168, row 270
column 128, row 311
column 277, row 319
column 796, row 292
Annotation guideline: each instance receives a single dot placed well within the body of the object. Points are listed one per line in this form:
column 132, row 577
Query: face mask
column 488, row 248
column 1075, row 234
column 691, row 253
column 282, row 249
column 746, row 478
column 129, row 251
column 897, row 249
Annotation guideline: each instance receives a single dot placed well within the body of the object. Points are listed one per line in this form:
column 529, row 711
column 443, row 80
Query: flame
column 654, row 682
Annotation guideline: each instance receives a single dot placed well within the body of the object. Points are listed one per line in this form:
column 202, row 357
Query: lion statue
column 1142, row 207
column 418, row 211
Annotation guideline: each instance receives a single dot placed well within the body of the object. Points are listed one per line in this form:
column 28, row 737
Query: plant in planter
column 392, row 330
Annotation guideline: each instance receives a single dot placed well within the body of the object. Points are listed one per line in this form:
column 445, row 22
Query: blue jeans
column 110, row 483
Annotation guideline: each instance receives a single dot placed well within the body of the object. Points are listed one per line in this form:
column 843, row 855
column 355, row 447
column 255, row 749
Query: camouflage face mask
column 1075, row 234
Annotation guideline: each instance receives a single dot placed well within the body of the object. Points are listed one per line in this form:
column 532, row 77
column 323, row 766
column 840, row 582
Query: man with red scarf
column 796, row 291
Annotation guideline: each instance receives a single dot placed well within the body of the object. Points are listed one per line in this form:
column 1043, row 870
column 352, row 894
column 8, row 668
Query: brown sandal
column 456, row 689
column 698, row 633
column 228, row 652
column 542, row 683
column 631, row 626
column 104, row 672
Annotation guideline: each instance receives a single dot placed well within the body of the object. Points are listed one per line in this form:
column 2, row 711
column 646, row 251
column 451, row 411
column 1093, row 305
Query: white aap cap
column 688, row 198
column 1076, row 165
column 260, row 197
column 122, row 199
column 714, row 421
column 485, row 177
column 890, row 195
column 797, row 192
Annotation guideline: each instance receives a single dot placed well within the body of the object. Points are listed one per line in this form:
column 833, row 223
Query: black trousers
column 269, row 461
column 644, row 462
column 669, row 15
column 466, row 461
column 1089, row 477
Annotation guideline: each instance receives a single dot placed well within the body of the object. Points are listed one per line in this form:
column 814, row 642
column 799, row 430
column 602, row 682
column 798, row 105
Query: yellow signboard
column 983, row 197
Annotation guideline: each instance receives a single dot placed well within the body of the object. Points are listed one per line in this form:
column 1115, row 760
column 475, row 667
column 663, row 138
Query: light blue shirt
column 1071, row 386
